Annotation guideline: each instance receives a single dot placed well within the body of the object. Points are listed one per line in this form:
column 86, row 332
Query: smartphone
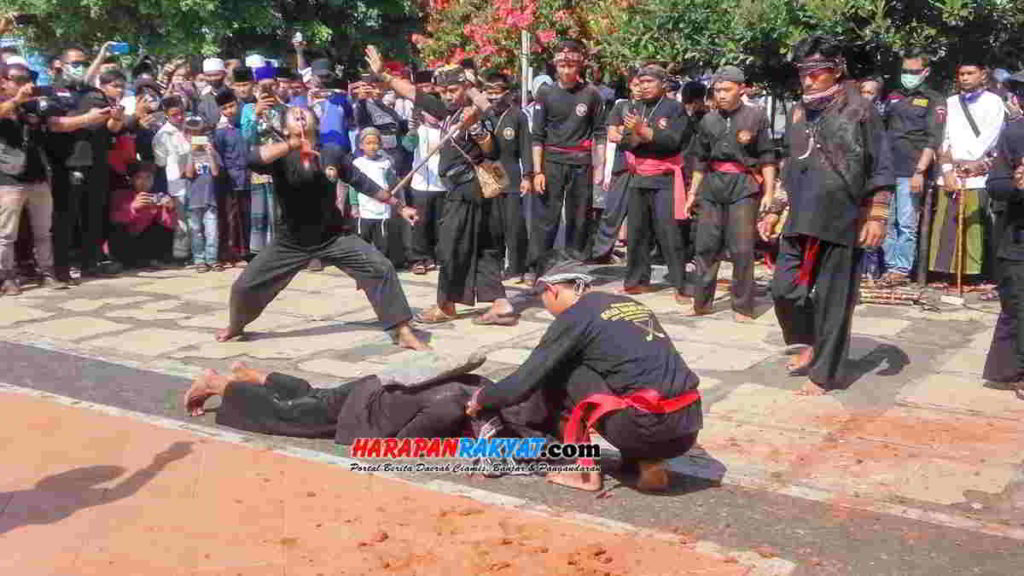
column 369, row 78
column 120, row 48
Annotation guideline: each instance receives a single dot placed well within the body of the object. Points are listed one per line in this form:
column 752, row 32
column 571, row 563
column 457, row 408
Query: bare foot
column 241, row 372
column 699, row 311
column 589, row 481
column 229, row 334
column 407, row 339
column 742, row 318
column 653, row 476
column 683, row 299
column 205, row 386
column 801, row 360
column 811, row 389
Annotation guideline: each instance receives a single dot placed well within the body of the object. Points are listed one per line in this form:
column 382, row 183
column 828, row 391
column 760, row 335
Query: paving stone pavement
column 914, row 429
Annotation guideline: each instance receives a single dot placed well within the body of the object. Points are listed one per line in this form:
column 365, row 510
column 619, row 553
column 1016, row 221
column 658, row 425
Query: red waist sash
column 593, row 407
column 583, row 148
column 657, row 167
column 734, row 167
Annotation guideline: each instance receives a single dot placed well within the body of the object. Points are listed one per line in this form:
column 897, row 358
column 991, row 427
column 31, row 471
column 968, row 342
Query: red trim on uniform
column 584, row 146
column 805, row 275
column 577, row 429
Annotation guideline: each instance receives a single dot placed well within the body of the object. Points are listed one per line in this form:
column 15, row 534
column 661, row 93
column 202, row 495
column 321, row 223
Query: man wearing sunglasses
column 838, row 173
column 914, row 121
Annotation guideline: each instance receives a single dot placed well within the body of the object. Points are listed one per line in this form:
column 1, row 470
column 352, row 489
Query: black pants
column 569, row 185
column 1005, row 360
column 154, row 243
column 513, row 220
column 276, row 265
column 615, row 209
column 65, row 217
column 425, row 234
column 726, row 227
column 88, row 199
column 541, row 414
column 471, row 248
column 289, row 406
column 652, row 216
column 820, row 312
column 233, row 212
column 374, row 232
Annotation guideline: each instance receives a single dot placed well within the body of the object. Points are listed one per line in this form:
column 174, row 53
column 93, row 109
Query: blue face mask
column 911, row 81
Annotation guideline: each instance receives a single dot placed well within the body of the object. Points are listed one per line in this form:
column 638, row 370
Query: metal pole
column 524, row 58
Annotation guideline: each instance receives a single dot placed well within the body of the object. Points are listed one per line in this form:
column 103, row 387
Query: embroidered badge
column 581, row 110
column 744, row 137
column 508, row 133
column 662, row 123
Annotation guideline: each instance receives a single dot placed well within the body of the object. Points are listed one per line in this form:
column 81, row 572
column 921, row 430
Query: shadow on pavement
column 59, row 496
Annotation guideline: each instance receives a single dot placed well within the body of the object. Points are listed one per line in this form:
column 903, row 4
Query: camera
column 44, row 103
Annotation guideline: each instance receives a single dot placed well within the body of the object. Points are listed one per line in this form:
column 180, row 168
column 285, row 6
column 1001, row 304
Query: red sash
column 657, row 167
column 735, row 168
column 583, row 148
column 811, row 248
column 577, row 429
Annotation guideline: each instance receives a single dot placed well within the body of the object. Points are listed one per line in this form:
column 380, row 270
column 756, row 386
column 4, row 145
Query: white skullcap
column 213, row 65
column 255, row 61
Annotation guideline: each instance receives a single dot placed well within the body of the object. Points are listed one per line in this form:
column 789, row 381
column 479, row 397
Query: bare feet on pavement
column 589, row 481
column 229, row 334
column 811, row 389
column 653, row 476
column 408, row 339
column 801, row 360
column 742, row 318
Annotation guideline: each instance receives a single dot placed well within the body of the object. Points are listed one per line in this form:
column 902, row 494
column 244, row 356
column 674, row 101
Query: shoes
column 54, row 283
column 106, row 269
column 315, row 265
column 10, row 287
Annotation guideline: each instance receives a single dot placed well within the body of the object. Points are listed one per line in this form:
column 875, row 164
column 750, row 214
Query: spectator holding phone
column 372, row 112
column 202, row 170
column 262, row 124
column 171, row 150
column 142, row 221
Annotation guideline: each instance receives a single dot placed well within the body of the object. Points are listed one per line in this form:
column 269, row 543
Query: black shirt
column 568, row 119
column 834, row 160
column 616, row 337
column 19, row 136
column 513, row 142
column 742, row 135
column 914, row 122
column 90, row 144
column 615, row 118
column 309, row 212
column 1010, row 225
column 672, row 132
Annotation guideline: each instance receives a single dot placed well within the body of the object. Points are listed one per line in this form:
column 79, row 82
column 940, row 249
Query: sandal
column 434, row 315
column 419, row 268
column 990, row 296
column 506, row 319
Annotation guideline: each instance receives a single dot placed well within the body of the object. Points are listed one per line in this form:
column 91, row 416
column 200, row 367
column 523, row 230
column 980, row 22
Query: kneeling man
column 605, row 363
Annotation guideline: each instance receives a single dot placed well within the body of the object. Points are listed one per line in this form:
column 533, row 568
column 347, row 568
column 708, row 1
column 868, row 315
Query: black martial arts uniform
column 568, row 124
column 837, row 172
column 604, row 344
column 365, row 408
column 513, row 141
column 1005, row 361
column 729, row 149
column 313, row 227
column 616, row 198
column 470, row 249
column 652, row 198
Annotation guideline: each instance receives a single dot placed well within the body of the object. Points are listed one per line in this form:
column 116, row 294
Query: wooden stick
column 960, row 244
column 405, row 181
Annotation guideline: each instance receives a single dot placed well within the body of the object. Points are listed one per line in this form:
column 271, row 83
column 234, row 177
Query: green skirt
column 943, row 253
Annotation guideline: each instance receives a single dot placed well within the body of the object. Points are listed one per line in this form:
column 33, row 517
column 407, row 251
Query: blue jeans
column 205, row 237
column 900, row 246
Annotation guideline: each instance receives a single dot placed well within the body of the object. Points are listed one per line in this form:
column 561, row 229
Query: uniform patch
column 508, row 133
column 919, row 102
column 744, row 137
column 663, row 123
column 581, row 110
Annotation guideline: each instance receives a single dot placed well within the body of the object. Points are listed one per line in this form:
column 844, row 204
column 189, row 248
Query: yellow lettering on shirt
column 640, row 315
column 920, row 102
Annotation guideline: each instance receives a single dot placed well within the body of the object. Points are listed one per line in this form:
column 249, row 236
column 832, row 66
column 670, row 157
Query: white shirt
column 427, row 178
column 380, row 171
column 959, row 139
column 171, row 150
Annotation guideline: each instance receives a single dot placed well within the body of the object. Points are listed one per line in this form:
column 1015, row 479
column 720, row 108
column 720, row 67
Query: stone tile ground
column 915, row 426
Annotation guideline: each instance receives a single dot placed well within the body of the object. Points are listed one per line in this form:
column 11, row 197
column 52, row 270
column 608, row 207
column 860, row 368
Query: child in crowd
column 202, row 170
column 234, row 182
column 142, row 221
column 372, row 217
column 171, row 152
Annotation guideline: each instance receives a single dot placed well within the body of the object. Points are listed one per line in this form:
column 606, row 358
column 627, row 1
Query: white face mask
column 912, row 81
